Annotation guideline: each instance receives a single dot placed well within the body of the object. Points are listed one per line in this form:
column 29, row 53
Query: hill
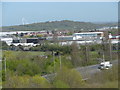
column 58, row 25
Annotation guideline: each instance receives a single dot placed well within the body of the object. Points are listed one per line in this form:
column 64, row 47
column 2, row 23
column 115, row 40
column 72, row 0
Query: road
column 86, row 71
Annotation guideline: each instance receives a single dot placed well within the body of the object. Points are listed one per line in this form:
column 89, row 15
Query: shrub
column 22, row 67
column 60, row 84
column 69, row 77
column 26, row 82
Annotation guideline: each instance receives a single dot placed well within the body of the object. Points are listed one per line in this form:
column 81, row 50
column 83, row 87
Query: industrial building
column 88, row 36
column 80, row 38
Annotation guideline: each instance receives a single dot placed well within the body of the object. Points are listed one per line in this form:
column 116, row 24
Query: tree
column 26, row 82
column 75, row 55
column 39, row 82
column 68, row 78
column 23, row 67
column 4, row 46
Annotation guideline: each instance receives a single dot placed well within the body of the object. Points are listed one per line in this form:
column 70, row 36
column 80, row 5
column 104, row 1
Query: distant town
column 33, row 38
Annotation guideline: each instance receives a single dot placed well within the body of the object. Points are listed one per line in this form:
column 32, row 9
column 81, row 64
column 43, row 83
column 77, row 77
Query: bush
column 26, row 82
column 22, row 67
column 50, row 47
column 39, row 82
column 69, row 77
column 60, row 84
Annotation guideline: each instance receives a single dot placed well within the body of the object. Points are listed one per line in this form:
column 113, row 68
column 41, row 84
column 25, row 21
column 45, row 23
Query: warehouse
column 88, row 35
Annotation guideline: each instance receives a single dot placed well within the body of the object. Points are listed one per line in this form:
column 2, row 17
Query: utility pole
column 54, row 60
column 5, row 65
column 110, row 49
column 86, row 50
column 110, row 46
column 60, row 60
column 103, row 57
column 103, row 49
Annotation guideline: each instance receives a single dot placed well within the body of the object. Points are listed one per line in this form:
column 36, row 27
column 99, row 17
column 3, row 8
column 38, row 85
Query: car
column 105, row 65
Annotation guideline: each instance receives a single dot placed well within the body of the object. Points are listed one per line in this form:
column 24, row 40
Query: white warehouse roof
column 89, row 33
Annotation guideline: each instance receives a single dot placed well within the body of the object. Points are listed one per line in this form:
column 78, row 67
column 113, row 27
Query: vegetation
column 26, row 82
column 57, row 25
column 27, row 73
column 3, row 45
column 25, row 69
column 105, row 79
column 68, row 78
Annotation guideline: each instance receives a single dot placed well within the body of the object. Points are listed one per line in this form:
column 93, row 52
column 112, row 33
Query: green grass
column 31, row 52
column 0, row 85
column 36, row 52
column 113, row 84
column 15, row 53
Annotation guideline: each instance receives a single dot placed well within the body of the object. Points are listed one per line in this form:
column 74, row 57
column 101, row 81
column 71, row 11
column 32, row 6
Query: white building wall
column 7, row 40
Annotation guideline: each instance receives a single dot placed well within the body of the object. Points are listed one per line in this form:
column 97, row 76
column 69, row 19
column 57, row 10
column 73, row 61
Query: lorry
column 105, row 65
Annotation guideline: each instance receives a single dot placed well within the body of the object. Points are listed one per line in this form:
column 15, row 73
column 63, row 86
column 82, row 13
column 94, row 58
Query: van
column 105, row 65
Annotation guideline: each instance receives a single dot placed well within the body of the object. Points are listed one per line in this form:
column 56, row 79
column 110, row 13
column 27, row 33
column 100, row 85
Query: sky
column 17, row 13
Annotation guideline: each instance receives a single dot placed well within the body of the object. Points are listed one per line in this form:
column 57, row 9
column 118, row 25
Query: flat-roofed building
column 88, row 35
column 61, row 38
